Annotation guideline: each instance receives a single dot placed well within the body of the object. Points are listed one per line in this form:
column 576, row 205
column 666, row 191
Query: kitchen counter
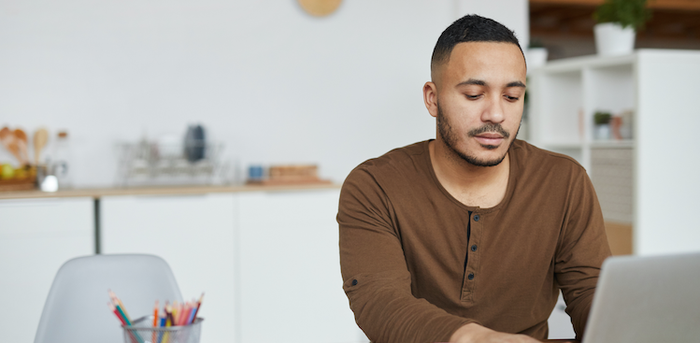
column 222, row 240
column 160, row 190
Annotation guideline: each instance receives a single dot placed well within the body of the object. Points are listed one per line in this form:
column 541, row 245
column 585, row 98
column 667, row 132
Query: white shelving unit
column 649, row 182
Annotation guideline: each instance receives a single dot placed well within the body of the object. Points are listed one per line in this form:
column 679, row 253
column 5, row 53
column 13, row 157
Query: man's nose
column 494, row 110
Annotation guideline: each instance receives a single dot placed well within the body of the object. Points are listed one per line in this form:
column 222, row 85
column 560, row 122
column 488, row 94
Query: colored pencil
column 120, row 309
column 155, row 314
column 168, row 322
column 116, row 313
column 188, row 314
column 161, row 324
column 176, row 313
column 199, row 303
column 155, row 321
column 180, row 314
column 190, row 318
column 123, row 320
column 118, row 301
column 185, row 314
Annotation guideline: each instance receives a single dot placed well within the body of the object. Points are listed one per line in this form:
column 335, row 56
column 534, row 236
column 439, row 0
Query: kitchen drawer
column 59, row 217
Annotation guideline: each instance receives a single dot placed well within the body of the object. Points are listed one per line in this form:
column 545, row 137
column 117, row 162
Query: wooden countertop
column 161, row 190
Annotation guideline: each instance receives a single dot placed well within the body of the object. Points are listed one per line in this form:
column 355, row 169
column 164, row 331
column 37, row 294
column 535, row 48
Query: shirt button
column 476, row 217
column 470, row 276
column 474, row 247
column 354, row 282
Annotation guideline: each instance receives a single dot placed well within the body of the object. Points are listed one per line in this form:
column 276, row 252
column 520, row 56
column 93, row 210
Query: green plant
column 535, row 43
column 627, row 13
column 600, row 117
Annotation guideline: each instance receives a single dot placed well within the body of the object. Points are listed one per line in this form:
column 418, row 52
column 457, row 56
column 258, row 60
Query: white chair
column 76, row 309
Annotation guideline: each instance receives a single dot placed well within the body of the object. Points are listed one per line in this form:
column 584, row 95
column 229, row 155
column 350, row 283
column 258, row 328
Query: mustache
column 490, row 127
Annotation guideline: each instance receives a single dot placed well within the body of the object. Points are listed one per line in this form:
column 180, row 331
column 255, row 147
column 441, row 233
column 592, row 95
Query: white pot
column 612, row 39
column 535, row 57
column 601, row 132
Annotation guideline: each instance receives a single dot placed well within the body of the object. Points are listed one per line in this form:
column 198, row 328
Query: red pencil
column 118, row 301
column 187, row 313
column 116, row 313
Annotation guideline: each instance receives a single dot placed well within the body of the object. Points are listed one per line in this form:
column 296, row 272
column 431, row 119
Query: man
column 470, row 237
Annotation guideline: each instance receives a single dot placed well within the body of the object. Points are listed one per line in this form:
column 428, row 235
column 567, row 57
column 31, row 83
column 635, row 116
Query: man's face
column 479, row 103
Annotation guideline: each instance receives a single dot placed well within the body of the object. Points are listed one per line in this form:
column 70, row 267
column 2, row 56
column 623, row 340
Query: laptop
column 648, row 299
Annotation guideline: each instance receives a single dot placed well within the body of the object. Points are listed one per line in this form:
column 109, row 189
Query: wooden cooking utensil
column 41, row 137
column 22, row 145
column 8, row 139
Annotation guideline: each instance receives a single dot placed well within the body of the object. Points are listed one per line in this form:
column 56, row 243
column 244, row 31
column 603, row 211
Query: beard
column 448, row 136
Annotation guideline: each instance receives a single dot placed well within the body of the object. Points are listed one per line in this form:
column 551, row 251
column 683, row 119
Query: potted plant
column 618, row 20
column 601, row 119
column 536, row 54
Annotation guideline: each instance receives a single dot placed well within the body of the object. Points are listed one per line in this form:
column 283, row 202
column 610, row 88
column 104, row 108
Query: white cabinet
column 194, row 234
column 290, row 283
column 268, row 261
column 648, row 181
column 36, row 237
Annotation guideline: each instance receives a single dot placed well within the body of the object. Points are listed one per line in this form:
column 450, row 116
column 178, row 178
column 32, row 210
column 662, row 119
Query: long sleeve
column 375, row 274
column 581, row 251
column 417, row 264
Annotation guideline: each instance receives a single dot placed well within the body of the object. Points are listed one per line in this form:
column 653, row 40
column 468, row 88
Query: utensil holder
column 142, row 331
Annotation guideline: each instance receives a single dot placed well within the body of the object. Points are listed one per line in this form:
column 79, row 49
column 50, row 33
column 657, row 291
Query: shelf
column 612, row 143
column 577, row 63
column 561, row 145
column 632, row 185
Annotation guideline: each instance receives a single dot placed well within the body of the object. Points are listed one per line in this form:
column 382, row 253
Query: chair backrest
column 76, row 308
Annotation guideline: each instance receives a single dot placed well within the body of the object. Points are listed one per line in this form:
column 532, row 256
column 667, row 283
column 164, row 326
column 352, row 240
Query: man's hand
column 475, row 333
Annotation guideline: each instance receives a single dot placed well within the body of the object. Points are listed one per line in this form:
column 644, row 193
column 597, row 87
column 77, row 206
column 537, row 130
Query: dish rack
column 148, row 164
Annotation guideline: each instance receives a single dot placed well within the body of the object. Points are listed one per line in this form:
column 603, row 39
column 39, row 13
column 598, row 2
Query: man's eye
column 471, row 97
column 512, row 98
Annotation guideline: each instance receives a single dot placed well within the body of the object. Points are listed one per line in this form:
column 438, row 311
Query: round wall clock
column 319, row 8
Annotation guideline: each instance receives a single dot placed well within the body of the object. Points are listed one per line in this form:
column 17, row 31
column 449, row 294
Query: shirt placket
column 471, row 269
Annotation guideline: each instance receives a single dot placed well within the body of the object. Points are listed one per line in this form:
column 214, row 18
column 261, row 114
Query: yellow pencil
column 176, row 313
column 168, row 322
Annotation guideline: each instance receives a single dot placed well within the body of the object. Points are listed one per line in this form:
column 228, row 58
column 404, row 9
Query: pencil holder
column 142, row 331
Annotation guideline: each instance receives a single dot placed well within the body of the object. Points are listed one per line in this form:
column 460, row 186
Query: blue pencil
column 160, row 333
column 190, row 320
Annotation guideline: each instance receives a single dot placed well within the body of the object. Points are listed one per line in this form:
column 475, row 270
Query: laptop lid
column 646, row 299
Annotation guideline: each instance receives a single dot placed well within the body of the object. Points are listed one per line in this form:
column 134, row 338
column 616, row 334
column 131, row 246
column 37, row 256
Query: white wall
column 273, row 83
column 666, row 175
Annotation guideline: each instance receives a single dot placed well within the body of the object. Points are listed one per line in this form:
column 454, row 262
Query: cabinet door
column 290, row 283
column 194, row 234
column 36, row 237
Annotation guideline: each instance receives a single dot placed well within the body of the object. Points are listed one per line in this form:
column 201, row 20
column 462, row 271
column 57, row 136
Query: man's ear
column 430, row 98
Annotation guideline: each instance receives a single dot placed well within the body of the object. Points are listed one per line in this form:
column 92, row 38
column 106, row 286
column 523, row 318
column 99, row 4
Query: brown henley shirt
column 403, row 244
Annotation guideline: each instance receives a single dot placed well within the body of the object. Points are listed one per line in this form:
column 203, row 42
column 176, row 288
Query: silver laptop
column 650, row 299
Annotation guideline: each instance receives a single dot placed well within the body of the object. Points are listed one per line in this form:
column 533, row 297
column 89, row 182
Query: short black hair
column 470, row 28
